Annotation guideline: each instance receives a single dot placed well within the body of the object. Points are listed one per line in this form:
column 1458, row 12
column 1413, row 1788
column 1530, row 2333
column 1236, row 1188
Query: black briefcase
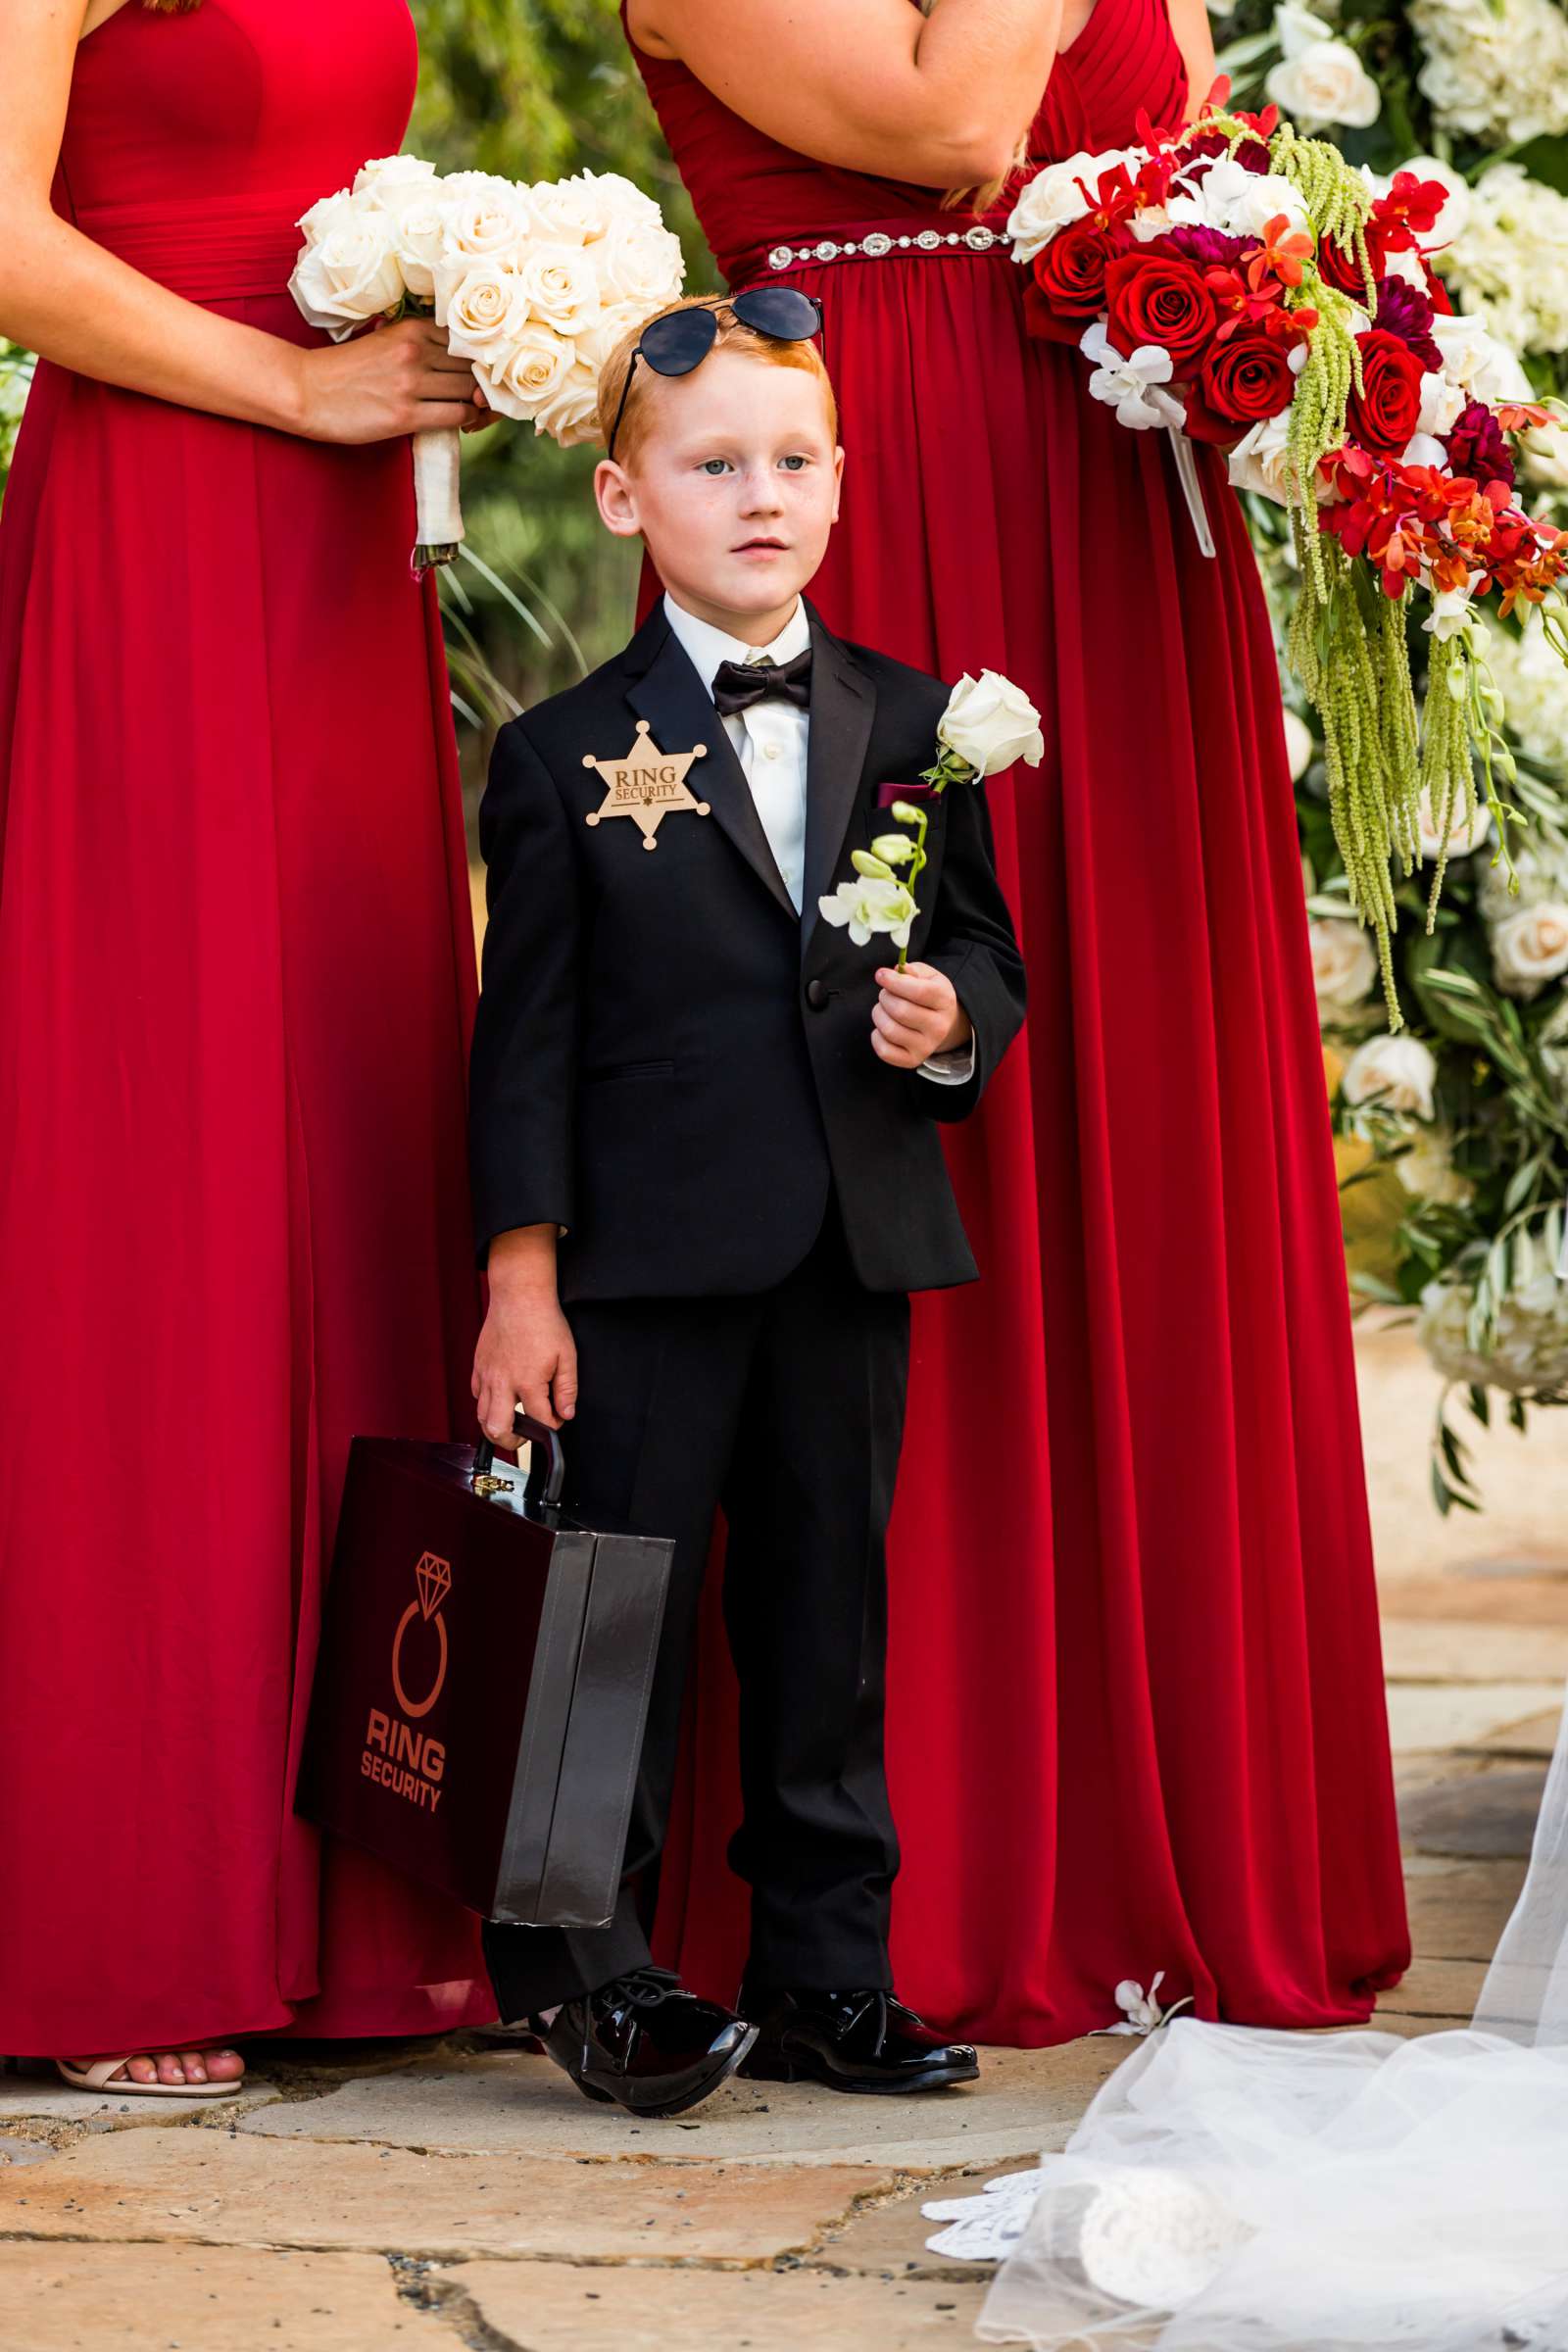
column 482, row 1685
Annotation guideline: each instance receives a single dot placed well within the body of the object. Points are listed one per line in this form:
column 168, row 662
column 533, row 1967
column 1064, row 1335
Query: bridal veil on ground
column 1233, row 2190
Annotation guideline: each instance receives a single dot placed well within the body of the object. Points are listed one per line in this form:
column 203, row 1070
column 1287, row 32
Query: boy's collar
column 708, row 647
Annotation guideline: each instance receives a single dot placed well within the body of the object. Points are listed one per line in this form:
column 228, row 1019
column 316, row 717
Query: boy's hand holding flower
column 918, row 1014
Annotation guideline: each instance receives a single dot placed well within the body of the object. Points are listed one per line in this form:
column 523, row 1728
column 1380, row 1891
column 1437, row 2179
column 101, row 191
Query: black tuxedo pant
column 787, row 1410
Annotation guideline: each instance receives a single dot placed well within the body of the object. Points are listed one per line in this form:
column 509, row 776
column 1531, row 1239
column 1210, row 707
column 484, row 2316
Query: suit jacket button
column 816, row 995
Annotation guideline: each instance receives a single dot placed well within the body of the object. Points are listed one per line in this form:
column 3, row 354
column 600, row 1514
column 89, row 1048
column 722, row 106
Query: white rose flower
column 560, row 285
column 1343, row 966
column 1409, row 266
column 389, row 172
column 596, row 342
column 584, row 207
column 1320, row 79
column 1052, row 200
column 480, row 306
column 989, row 723
column 639, row 261
column 1261, row 459
column 331, row 212
column 1473, row 357
column 1300, row 748
column 570, row 414
column 525, row 370
column 1398, row 1073
column 1466, row 833
column 1442, row 405
column 1427, row 1171
column 416, row 211
column 350, row 273
column 488, row 223
column 1529, row 947
column 1243, row 203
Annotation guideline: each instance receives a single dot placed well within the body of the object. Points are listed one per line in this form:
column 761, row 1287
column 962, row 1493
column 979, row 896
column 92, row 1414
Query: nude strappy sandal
column 99, row 2077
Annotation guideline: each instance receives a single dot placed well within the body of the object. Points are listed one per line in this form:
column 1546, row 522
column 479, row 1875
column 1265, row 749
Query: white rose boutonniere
column 989, row 723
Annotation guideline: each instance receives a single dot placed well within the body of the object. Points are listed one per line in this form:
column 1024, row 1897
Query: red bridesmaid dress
column 1136, row 1718
column 236, row 976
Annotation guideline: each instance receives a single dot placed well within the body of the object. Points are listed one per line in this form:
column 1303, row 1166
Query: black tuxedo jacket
column 668, row 1061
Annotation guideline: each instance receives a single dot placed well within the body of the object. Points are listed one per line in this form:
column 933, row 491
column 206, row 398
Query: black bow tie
column 739, row 684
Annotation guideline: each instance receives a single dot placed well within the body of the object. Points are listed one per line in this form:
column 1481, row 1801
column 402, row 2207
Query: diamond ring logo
column 433, row 1577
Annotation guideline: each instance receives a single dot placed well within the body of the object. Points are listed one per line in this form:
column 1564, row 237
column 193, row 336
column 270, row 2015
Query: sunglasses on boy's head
column 682, row 339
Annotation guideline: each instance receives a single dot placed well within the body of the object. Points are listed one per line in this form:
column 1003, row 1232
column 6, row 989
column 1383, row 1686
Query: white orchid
column 876, row 900
column 1140, row 2011
column 1132, row 383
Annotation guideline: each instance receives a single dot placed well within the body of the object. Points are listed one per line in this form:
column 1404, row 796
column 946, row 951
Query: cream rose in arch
column 1529, row 947
column 1468, row 830
column 1343, row 966
column 1319, row 79
column 1396, row 1073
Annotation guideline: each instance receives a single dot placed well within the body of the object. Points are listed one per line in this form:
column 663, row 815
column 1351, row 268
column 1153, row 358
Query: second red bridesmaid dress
column 1136, row 1714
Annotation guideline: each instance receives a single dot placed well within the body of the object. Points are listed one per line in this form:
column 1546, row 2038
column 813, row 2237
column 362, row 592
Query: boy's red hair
column 732, row 335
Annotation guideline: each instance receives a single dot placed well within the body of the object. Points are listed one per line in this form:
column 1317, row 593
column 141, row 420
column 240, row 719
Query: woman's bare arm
column 874, row 85
column 66, row 297
column 1194, row 28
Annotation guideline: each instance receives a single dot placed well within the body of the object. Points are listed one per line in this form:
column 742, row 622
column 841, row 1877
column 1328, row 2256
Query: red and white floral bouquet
column 1235, row 283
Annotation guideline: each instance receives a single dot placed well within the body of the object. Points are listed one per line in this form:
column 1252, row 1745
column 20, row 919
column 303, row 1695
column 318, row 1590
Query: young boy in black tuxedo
column 708, row 1173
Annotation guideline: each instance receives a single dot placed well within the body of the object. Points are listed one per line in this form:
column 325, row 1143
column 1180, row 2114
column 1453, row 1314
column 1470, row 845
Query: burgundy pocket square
column 887, row 794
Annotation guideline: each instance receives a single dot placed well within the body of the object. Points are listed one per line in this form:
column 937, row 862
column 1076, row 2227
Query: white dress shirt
column 771, row 741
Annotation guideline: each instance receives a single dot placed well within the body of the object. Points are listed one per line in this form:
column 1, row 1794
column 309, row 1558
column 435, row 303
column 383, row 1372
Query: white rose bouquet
column 534, row 285
column 987, row 725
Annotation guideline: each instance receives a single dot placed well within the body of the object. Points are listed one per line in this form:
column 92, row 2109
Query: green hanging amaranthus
column 1347, row 639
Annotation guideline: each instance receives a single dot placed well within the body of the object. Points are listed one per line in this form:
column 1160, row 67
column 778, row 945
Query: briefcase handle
column 546, row 1461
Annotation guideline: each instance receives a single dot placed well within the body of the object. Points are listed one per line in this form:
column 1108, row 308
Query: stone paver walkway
column 397, row 2200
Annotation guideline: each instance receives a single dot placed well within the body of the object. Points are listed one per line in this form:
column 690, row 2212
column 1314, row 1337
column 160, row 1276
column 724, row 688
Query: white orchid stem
column 916, row 864
column 437, row 460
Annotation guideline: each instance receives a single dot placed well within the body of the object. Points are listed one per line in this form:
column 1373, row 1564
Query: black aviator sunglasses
column 682, row 339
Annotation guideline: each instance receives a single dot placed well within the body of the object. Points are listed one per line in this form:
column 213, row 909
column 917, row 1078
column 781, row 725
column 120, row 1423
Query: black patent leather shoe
column 852, row 2041
column 646, row 2043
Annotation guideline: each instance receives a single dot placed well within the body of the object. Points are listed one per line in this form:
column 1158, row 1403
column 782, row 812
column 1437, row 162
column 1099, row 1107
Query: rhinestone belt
column 878, row 242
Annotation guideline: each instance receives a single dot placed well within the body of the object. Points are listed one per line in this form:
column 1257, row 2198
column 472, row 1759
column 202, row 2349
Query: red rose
column 1242, row 380
column 1383, row 414
column 1338, row 266
column 1070, row 272
column 1159, row 298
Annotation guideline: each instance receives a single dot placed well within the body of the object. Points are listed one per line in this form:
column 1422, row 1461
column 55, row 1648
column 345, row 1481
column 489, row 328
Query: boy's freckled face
column 734, row 485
